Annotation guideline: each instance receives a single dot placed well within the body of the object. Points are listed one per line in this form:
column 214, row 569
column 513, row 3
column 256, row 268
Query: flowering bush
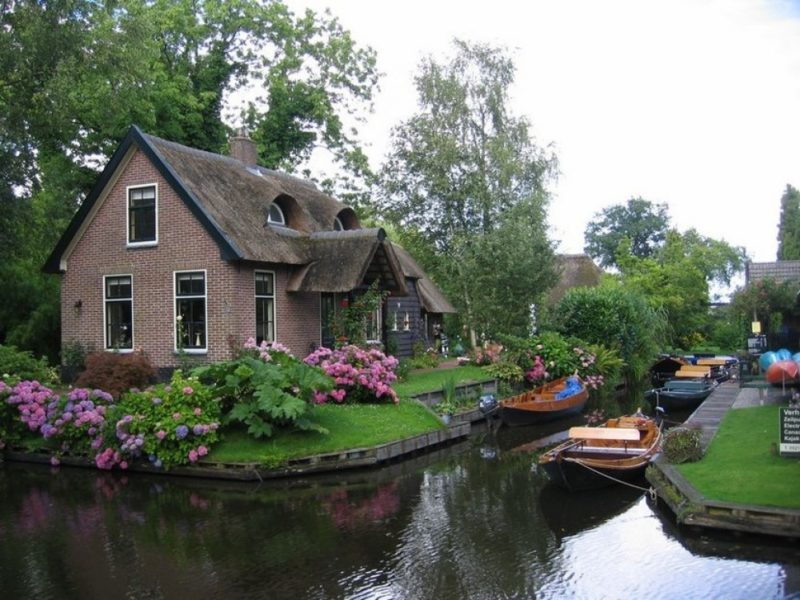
column 268, row 351
column 487, row 355
column 360, row 375
column 169, row 424
column 77, row 420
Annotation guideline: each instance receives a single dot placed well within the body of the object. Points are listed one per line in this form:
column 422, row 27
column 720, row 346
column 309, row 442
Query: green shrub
column 116, row 373
column 266, row 395
column 18, row 365
column 681, row 445
column 505, row 371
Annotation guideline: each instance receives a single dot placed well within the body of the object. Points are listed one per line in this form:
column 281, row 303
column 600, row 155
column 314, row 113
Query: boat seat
column 604, row 433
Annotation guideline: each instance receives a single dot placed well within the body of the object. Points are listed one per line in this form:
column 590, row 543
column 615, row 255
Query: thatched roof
column 576, row 270
column 432, row 298
column 782, row 270
column 344, row 260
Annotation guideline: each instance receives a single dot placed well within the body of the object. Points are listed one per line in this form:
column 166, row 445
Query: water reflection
column 471, row 521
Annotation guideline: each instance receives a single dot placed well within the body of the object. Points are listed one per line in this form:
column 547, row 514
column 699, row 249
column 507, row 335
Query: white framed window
column 118, row 312
column 275, row 215
column 142, row 215
column 265, row 306
column 374, row 326
column 191, row 323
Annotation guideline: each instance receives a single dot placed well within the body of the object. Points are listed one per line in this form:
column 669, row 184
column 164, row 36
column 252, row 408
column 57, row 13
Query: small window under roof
column 275, row 215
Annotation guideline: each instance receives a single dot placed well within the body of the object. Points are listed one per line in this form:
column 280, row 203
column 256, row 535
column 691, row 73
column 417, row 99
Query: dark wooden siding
column 402, row 340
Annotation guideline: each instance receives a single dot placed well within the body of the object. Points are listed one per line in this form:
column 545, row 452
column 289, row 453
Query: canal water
column 473, row 520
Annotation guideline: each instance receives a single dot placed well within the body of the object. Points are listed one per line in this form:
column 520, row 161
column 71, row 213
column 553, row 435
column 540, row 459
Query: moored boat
column 681, row 394
column 592, row 457
column 554, row 400
column 783, row 372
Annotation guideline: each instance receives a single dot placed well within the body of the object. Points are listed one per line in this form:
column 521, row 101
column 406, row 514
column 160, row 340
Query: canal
column 473, row 520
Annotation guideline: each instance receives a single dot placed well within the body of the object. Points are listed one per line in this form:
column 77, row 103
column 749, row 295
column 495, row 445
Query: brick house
column 176, row 250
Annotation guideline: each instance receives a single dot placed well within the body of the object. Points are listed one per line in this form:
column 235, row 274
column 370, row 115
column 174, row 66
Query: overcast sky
column 690, row 103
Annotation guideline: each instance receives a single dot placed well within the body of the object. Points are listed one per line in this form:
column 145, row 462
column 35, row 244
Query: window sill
column 119, row 350
column 192, row 351
column 134, row 245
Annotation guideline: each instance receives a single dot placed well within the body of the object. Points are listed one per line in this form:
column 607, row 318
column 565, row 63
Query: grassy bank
column 741, row 464
column 435, row 379
column 350, row 426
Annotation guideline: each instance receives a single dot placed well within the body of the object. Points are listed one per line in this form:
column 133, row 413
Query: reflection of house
column 179, row 250
column 417, row 316
column 577, row 270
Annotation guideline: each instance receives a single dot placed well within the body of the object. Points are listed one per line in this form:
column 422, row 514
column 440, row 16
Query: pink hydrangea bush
column 167, row 425
column 360, row 375
column 267, row 351
column 77, row 420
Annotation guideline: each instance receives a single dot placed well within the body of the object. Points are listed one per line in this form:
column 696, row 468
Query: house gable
column 135, row 139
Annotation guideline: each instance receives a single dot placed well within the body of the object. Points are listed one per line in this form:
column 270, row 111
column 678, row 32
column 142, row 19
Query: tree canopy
column 789, row 226
column 75, row 74
column 643, row 223
column 465, row 175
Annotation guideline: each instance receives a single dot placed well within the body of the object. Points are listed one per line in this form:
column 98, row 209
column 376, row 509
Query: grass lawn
column 350, row 426
column 740, row 465
column 434, row 380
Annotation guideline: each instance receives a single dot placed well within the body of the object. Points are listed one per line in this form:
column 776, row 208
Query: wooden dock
column 690, row 506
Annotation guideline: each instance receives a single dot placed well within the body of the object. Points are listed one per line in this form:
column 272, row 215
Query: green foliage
column 768, row 301
column 619, row 319
column 17, row 365
column 789, row 226
column 641, row 222
column 467, row 182
column 264, row 396
column 682, row 444
column 505, row 371
column 423, row 358
column 349, row 321
column 75, row 75
column 116, row 373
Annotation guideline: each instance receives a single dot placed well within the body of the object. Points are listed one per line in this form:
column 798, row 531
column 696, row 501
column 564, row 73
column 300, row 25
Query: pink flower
column 202, row 450
column 54, row 461
column 161, row 434
column 176, row 416
column 198, row 411
column 193, row 455
column 187, row 390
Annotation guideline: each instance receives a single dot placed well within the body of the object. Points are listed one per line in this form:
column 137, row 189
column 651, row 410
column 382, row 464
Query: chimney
column 242, row 148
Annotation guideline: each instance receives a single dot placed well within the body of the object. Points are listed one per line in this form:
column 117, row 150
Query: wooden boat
column 783, row 372
column 664, row 369
column 554, row 400
column 681, row 394
column 595, row 457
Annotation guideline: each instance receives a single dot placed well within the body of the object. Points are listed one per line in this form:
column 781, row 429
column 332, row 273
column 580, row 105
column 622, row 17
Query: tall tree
column 643, row 223
column 789, row 226
column 464, row 173
column 676, row 281
column 74, row 74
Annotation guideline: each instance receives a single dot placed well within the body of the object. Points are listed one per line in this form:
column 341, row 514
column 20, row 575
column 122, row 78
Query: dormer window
column 337, row 224
column 275, row 215
column 142, row 215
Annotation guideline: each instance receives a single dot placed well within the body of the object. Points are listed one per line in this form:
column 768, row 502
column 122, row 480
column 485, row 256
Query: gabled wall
column 183, row 244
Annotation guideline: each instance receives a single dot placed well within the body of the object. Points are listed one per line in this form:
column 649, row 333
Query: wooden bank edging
column 319, row 463
column 692, row 508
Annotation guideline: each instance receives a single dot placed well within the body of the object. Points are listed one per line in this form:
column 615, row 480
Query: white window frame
column 106, row 300
column 270, row 220
column 378, row 314
column 176, row 298
column 274, row 302
column 128, row 190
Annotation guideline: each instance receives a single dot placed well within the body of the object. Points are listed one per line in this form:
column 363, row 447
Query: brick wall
column 183, row 244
